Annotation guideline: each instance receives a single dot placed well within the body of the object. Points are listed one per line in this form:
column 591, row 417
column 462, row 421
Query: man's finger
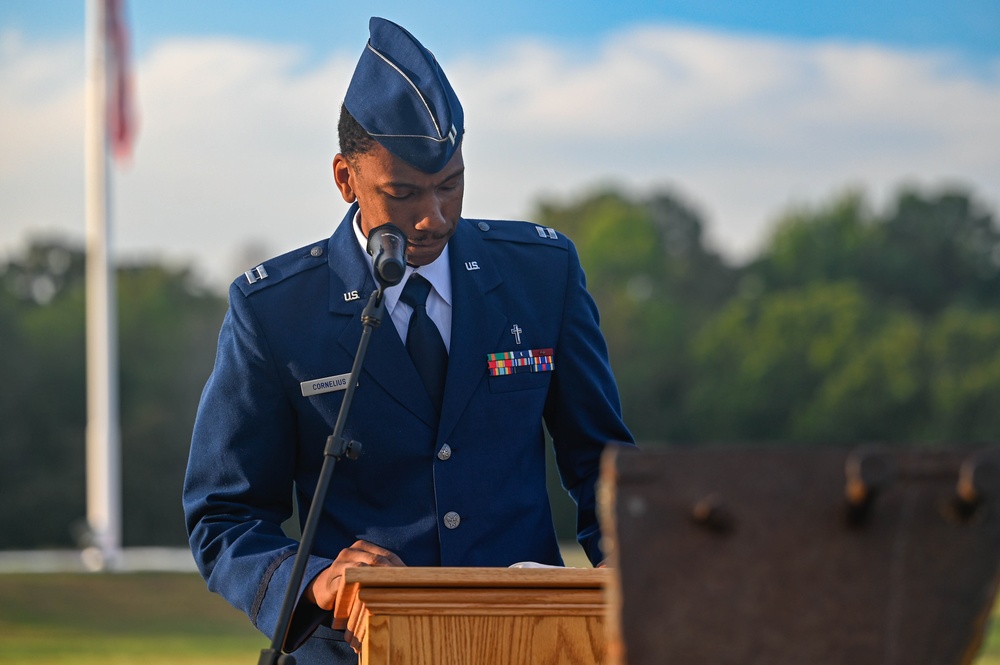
column 378, row 556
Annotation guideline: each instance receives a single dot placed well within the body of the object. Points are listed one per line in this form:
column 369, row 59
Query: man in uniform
column 451, row 416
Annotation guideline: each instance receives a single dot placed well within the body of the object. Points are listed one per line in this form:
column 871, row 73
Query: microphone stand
column 336, row 447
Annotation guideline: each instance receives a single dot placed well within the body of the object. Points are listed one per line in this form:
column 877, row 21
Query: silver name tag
column 326, row 385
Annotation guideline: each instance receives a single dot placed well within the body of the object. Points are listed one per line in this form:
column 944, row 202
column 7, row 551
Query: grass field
column 148, row 619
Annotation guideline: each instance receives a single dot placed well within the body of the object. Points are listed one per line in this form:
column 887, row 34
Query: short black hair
column 354, row 140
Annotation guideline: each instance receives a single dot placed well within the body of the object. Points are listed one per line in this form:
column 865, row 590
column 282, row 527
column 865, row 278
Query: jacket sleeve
column 583, row 409
column 239, row 484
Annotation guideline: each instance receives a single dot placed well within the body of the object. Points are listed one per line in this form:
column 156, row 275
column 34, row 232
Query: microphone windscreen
column 387, row 247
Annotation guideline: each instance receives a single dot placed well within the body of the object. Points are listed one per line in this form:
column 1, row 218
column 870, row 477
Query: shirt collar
column 436, row 272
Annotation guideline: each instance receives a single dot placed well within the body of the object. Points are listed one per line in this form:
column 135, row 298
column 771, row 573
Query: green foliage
column 926, row 254
column 167, row 333
column 42, row 405
column 826, row 245
column 963, row 352
column 851, row 325
column 817, row 364
column 655, row 283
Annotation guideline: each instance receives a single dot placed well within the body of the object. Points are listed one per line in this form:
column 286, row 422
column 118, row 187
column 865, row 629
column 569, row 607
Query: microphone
column 387, row 246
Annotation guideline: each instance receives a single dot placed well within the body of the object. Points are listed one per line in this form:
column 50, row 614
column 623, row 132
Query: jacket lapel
column 386, row 361
column 476, row 324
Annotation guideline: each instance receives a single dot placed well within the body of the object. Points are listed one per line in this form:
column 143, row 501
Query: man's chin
column 421, row 255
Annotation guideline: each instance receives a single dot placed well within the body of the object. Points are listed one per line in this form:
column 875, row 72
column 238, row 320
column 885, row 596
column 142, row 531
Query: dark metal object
column 711, row 512
column 978, row 480
column 793, row 582
column 868, row 472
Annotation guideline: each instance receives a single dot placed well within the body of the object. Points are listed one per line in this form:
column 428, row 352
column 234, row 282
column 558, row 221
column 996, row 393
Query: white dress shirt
column 438, row 301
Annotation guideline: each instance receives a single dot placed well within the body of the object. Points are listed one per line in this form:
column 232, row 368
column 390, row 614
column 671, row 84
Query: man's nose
column 432, row 221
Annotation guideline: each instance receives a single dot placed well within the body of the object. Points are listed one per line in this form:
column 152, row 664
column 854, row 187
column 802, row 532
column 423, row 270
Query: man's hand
column 328, row 585
column 324, row 589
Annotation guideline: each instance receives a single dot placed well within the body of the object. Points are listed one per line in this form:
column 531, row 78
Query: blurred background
column 788, row 217
column 787, row 214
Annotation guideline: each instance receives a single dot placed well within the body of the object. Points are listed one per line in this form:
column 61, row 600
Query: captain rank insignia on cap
column 516, row 362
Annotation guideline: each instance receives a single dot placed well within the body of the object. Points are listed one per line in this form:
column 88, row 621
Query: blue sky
column 969, row 26
column 744, row 110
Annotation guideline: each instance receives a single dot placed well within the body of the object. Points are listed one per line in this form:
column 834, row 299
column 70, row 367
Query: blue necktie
column 423, row 341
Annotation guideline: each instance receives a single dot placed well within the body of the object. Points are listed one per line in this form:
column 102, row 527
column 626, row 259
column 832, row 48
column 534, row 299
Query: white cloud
column 235, row 150
column 745, row 125
column 41, row 131
column 236, row 137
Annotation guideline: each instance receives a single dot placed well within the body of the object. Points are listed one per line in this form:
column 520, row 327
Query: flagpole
column 103, row 436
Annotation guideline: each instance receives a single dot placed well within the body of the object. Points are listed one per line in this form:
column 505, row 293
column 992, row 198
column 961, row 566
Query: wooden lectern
column 501, row 616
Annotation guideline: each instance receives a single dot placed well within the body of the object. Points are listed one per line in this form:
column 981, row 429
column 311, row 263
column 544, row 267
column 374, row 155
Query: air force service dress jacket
column 466, row 491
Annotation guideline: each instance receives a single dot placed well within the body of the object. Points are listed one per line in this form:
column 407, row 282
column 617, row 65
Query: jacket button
column 452, row 520
column 316, row 251
column 444, row 453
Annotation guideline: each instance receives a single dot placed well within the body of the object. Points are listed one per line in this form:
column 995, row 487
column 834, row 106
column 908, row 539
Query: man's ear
column 342, row 178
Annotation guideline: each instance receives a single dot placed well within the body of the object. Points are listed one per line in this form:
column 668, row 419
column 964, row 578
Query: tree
column 964, row 375
column 935, row 251
column 852, row 325
column 167, row 332
column 926, row 253
column 817, row 364
column 856, row 326
column 43, row 404
column 655, row 282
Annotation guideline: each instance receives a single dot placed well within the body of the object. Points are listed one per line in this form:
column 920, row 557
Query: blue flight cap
column 400, row 95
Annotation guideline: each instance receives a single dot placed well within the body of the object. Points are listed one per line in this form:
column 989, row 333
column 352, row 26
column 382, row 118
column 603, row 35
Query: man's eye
column 399, row 197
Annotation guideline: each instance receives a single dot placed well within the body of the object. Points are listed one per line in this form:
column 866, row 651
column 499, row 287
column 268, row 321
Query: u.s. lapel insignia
column 472, row 265
column 516, row 362
column 352, row 295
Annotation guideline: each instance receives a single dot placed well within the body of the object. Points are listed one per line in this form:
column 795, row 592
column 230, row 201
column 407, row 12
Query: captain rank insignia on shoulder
column 254, row 275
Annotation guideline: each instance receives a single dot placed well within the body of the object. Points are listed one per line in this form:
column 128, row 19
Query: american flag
column 121, row 114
